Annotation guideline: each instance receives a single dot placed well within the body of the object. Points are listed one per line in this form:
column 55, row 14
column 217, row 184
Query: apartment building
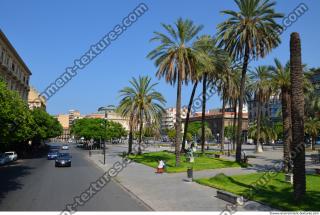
column 35, row 100
column 13, row 70
column 169, row 117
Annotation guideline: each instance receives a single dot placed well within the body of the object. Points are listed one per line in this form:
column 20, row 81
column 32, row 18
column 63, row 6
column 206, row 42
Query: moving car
column 53, row 154
column 65, row 147
column 12, row 155
column 63, row 159
column 4, row 159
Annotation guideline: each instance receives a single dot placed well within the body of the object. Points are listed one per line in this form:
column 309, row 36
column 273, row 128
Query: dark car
column 53, row 154
column 63, row 159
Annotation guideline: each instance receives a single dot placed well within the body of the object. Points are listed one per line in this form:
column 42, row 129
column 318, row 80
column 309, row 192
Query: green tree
column 145, row 103
column 175, row 60
column 312, row 127
column 16, row 120
column 214, row 61
column 251, row 32
column 260, row 85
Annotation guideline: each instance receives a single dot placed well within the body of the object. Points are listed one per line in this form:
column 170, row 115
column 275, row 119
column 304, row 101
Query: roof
column 14, row 51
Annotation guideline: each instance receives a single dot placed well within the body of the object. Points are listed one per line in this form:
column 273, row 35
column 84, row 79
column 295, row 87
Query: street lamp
column 105, row 129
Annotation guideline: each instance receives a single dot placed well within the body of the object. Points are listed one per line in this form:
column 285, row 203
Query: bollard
column 190, row 173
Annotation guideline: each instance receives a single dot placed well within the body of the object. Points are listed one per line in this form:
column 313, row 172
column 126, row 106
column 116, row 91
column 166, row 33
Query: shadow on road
column 9, row 179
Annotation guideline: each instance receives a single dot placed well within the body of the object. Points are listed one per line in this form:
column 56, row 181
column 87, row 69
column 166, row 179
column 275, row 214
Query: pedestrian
column 161, row 167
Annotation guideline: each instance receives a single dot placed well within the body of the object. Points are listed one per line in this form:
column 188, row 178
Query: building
column 13, row 70
column 270, row 110
column 169, row 117
column 73, row 115
column 111, row 114
column 35, row 100
column 64, row 121
column 214, row 120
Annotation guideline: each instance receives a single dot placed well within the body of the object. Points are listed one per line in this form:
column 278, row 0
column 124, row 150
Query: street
column 36, row 185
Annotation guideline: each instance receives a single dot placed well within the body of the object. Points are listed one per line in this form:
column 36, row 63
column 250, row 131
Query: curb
column 114, row 179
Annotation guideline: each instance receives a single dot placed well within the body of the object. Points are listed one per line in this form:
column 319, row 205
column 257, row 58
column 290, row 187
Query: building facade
column 35, row 100
column 13, row 70
column 271, row 110
column 169, row 118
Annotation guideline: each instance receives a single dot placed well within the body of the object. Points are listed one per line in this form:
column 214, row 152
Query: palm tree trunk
column 130, row 140
column 140, row 132
column 178, row 119
column 313, row 142
column 222, row 122
column 234, row 124
column 183, row 148
column 297, row 115
column 287, row 130
column 241, row 98
column 258, row 145
column 204, row 98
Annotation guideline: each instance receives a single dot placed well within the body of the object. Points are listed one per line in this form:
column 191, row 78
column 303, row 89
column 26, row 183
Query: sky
column 50, row 35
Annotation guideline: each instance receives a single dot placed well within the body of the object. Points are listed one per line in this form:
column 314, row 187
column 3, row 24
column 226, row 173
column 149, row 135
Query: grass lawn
column 200, row 163
column 277, row 193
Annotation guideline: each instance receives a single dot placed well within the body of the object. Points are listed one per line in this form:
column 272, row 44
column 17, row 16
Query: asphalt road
column 36, row 185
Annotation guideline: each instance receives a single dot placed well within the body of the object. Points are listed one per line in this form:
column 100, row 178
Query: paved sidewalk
column 171, row 192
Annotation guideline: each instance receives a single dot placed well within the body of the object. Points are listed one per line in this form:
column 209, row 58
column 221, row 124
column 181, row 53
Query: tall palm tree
column 251, row 32
column 260, row 85
column 143, row 102
column 186, row 125
column 280, row 80
column 297, row 116
column 126, row 109
column 312, row 127
column 213, row 62
column 175, row 60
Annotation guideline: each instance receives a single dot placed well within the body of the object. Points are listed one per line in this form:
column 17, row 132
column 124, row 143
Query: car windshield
column 9, row 153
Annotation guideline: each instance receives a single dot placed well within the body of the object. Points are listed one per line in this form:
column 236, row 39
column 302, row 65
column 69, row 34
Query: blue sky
column 49, row 35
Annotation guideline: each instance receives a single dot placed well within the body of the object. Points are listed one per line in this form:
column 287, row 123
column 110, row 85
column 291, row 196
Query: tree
column 147, row 103
column 297, row 115
column 16, row 120
column 175, row 60
column 213, row 62
column 207, row 134
column 280, row 80
column 312, row 127
column 44, row 126
column 250, row 32
column 260, row 85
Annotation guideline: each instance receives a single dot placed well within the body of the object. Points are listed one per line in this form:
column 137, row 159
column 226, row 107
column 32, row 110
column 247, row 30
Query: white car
column 12, row 155
column 4, row 159
column 65, row 147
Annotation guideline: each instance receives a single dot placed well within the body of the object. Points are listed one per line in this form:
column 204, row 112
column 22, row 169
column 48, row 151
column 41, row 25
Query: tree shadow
column 9, row 180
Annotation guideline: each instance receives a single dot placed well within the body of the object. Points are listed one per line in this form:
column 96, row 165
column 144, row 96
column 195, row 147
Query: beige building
column 64, row 121
column 169, row 118
column 12, row 68
column 35, row 100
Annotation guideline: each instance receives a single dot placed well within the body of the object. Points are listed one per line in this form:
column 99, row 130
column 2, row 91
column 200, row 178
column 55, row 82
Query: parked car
column 12, row 155
column 4, row 159
column 80, row 145
column 53, row 154
column 63, row 159
column 65, row 147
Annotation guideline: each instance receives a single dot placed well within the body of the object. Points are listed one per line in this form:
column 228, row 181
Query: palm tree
column 280, row 80
column 312, row 127
column 213, row 62
column 126, row 109
column 250, row 32
column 175, row 61
column 260, row 85
column 143, row 102
column 186, row 125
column 297, row 116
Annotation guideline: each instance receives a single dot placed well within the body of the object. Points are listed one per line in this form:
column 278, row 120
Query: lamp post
column 105, row 130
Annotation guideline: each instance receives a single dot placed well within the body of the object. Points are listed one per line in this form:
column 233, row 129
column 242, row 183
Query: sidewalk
column 170, row 192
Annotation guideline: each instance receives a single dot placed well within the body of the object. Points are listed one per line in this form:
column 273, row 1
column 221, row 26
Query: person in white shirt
column 160, row 166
